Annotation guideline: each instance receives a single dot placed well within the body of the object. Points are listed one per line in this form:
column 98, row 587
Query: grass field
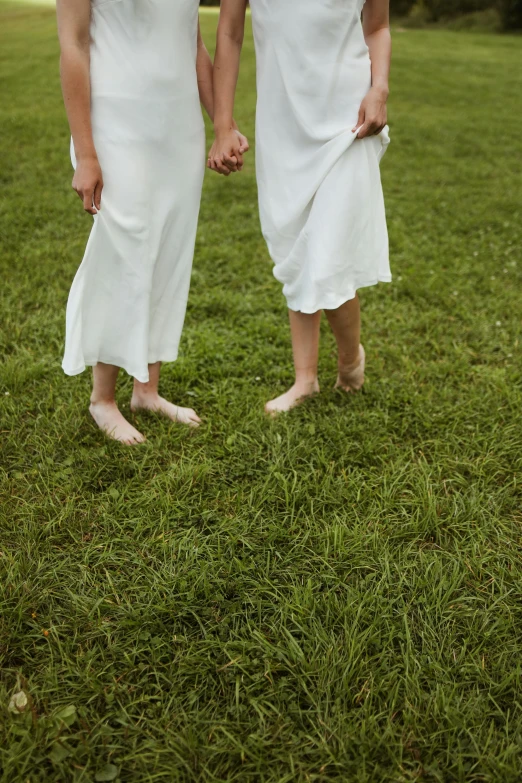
column 332, row 596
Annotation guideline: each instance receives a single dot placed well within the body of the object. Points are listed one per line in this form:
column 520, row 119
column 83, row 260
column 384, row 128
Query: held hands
column 88, row 183
column 372, row 113
column 226, row 154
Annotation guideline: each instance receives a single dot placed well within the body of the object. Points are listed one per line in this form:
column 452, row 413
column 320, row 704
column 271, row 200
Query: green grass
column 332, row 596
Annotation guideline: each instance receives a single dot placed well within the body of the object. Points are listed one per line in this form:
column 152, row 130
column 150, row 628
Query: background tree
column 445, row 9
column 510, row 14
column 401, row 7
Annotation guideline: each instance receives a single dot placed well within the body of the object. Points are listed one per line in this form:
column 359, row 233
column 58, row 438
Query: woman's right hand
column 88, row 183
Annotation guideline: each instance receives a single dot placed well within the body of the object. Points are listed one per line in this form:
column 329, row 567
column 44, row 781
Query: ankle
column 306, row 381
column 144, row 389
column 144, row 394
column 349, row 358
column 97, row 401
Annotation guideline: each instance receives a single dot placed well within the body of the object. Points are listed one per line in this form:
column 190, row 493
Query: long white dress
column 320, row 194
column 128, row 300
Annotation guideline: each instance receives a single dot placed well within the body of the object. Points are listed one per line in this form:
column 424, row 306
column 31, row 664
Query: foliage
column 401, row 7
column 510, row 11
column 511, row 14
column 332, row 596
column 441, row 9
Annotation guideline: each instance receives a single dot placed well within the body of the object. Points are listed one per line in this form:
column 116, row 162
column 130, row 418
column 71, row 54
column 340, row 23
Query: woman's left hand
column 373, row 113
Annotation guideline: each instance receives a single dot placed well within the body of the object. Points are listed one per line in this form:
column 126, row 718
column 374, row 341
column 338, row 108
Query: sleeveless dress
column 320, row 194
column 128, row 300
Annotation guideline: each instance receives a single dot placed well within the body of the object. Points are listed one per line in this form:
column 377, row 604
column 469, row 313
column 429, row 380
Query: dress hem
column 141, row 377
column 342, row 299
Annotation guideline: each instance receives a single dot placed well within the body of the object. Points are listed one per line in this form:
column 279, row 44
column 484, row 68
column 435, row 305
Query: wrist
column 86, row 156
column 222, row 128
column 382, row 89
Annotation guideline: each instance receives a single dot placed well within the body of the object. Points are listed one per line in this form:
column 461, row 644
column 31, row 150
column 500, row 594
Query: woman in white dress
column 133, row 75
column 322, row 78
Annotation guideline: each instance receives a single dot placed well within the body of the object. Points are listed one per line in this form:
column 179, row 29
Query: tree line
column 510, row 11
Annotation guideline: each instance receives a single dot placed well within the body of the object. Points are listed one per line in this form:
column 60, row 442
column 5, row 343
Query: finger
column 221, row 168
column 243, row 143
column 360, row 120
column 230, row 162
column 98, row 194
column 363, row 131
column 237, row 158
column 232, row 167
column 194, row 418
column 88, row 201
column 223, row 165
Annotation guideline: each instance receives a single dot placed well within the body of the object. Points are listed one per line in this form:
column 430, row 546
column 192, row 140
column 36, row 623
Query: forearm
column 379, row 45
column 226, row 73
column 205, row 73
column 76, row 88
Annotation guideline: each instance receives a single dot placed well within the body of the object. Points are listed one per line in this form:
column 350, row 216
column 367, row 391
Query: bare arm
column 205, row 74
column 376, row 25
column 74, row 17
column 227, row 151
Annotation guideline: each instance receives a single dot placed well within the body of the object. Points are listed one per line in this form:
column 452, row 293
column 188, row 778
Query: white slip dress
column 128, row 300
column 320, row 193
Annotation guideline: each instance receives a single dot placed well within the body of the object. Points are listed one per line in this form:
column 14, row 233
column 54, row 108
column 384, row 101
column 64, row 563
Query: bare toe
column 157, row 404
column 188, row 416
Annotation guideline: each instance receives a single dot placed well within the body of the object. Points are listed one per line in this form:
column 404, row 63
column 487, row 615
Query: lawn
column 335, row 595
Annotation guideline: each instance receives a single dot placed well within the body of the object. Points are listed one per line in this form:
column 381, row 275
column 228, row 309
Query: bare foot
column 291, row 398
column 351, row 377
column 156, row 404
column 112, row 422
